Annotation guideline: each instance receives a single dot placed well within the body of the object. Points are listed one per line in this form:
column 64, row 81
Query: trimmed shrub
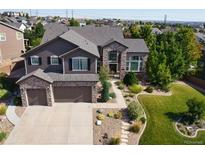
column 133, row 110
column 149, row 89
column 115, row 141
column 7, row 83
column 118, row 83
column 110, row 114
column 135, row 88
column 100, row 116
column 103, row 73
column 135, row 128
column 143, row 120
column 113, row 95
column 128, row 100
column 118, row 115
column 131, row 95
column 121, row 86
column 109, row 84
column 196, row 108
column 130, row 79
column 4, row 94
column 105, row 91
column 3, row 109
column 2, row 136
column 17, row 101
column 166, row 88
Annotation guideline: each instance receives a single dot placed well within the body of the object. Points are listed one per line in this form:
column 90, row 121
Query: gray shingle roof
column 99, row 35
column 73, row 77
column 53, row 30
column 10, row 26
column 51, row 77
column 80, row 41
column 105, row 34
column 90, row 37
column 136, row 45
column 38, row 73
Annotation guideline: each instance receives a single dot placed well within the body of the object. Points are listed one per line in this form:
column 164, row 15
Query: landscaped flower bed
column 190, row 130
column 109, row 128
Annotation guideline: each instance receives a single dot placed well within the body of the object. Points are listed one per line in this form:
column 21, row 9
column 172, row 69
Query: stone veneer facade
column 37, row 83
column 122, row 55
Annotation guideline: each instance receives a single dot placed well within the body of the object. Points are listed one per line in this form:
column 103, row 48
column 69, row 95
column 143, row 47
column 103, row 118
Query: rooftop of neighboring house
column 10, row 26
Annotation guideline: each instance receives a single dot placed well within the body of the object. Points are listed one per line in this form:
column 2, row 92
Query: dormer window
column 35, row 60
column 54, row 60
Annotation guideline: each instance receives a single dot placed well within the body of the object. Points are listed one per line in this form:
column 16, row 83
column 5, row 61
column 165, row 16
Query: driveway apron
column 63, row 123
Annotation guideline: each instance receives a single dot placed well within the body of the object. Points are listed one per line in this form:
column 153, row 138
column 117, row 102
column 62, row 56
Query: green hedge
column 135, row 88
column 4, row 94
column 130, row 79
column 105, row 91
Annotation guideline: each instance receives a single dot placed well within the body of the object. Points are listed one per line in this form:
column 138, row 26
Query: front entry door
column 113, row 68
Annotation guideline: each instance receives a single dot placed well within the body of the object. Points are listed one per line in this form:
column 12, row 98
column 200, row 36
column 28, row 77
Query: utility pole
column 67, row 14
column 165, row 19
column 37, row 13
column 30, row 12
column 72, row 13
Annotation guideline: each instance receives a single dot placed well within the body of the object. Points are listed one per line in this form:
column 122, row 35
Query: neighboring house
column 156, row 31
column 82, row 23
column 11, row 42
column 64, row 67
column 20, row 26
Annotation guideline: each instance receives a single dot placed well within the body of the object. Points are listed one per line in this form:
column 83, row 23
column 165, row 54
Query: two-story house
column 64, row 67
column 11, row 43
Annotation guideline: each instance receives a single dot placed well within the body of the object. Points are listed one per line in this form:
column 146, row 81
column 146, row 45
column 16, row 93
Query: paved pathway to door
column 64, row 123
column 119, row 99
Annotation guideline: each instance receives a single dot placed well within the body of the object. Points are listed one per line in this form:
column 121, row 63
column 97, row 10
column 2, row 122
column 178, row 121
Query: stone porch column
column 49, row 94
column 105, row 57
column 94, row 94
column 24, row 97
column 123, row 64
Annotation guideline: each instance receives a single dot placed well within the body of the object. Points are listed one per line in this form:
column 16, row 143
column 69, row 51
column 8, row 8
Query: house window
column 2, row 36
column 113, row 56
column 54, row 60
column 135, row 64
column 80, row 64
column 19, row 35
column 34, row 60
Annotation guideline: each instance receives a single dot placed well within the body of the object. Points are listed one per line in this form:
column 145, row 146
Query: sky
column 138, row 14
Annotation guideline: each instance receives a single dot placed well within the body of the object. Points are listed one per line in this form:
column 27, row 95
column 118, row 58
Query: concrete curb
column 11, row 114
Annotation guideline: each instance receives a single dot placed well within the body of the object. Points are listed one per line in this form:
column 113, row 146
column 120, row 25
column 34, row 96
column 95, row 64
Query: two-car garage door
column 61, row 94
column 72, row 94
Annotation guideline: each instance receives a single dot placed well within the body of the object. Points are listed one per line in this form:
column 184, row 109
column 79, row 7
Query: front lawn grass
column 162, row 112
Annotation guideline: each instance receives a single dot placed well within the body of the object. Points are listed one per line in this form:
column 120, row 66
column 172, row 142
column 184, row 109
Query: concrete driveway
column 63, row 123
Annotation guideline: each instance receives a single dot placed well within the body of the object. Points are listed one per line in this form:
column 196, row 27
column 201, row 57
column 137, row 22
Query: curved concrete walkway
column 11, row 114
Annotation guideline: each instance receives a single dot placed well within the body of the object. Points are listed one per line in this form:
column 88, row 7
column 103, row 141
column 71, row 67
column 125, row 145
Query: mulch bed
column 19, row 110
column 111, row 126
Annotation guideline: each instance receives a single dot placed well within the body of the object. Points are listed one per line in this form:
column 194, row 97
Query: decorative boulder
column 98, row 122
column 100, row 111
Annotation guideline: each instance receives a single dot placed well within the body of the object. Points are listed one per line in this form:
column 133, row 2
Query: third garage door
column 72, row 94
